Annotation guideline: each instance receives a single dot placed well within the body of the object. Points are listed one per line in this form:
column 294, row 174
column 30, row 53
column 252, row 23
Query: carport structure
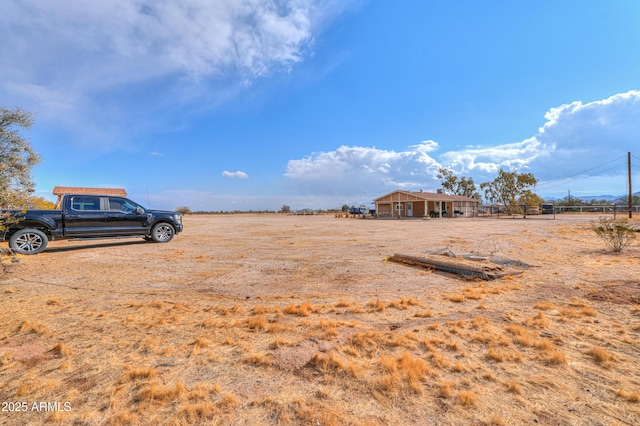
column 405, row 204
column 61, row 191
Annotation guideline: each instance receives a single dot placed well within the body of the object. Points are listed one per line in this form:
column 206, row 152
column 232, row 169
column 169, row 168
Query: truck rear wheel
column 162, row 233
column 28, row 241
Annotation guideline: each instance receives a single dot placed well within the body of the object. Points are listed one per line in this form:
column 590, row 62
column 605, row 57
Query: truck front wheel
column 28, row 241
column 162, row 233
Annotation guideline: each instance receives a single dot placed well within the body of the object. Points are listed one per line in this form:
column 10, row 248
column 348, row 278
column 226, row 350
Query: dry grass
column 288, row 321
column 304, row 310
column 36, row 327
column 132, row 374
column 257, row 359
column 545, row 306
column 514, row 386
column 466, row 397
column 257, row 323
column 601, row 355
column 455, row 298
column 333, row 364
column 62, row 350
column 629, row 396
column 424, row 314
column 159, row 392
column 496, row 355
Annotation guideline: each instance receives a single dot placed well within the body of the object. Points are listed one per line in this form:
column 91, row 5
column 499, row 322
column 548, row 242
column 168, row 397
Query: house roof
column 62, row 190
column 430, row 196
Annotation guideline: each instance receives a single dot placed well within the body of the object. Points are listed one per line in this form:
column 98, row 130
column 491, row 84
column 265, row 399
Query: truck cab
column 102, row 215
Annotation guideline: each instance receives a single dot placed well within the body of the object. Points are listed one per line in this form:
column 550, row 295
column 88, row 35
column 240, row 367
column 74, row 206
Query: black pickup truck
column 87, row 217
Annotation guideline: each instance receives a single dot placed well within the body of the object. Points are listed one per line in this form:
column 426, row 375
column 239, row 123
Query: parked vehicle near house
column 533, row 210
column 83, row 216
column 359, row 210
column 546, row 208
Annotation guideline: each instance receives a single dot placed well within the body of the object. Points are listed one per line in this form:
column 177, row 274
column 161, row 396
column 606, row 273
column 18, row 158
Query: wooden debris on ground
column 468, row 266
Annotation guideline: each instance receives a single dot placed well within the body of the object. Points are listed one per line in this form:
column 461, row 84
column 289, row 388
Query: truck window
column 85, row 203
column 121, row 205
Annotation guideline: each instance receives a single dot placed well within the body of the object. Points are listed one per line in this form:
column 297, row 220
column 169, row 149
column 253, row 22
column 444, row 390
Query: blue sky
column 254, row 104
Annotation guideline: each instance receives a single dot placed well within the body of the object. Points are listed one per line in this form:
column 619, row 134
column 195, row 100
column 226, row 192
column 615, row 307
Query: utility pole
column 630, row 190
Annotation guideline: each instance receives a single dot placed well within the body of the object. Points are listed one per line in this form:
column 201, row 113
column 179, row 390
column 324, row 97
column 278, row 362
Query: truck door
column 83, row 216
column 125, row 217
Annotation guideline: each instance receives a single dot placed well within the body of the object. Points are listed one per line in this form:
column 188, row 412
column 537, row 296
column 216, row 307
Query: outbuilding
column 61, row 191
column 405, row 204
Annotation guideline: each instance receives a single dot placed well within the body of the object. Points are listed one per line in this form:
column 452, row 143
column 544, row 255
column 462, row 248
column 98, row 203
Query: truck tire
column 162, row 232
column 28, row 241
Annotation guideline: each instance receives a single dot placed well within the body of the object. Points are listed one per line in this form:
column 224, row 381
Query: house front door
column 409, row 209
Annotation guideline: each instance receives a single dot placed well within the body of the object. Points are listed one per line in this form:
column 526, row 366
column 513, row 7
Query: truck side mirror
column 139, row 210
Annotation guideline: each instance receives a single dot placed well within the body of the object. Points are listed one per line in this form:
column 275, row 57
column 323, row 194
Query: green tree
column 285, row 209
column 571, row 201
column 183, row 210
column 345, row 207
column 509, row 188
column 40, row 203
column 16, row 158
column 457, row 185
column 530, row 198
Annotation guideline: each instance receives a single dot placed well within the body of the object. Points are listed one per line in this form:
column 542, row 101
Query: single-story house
column 63, row 190
column 425, row 204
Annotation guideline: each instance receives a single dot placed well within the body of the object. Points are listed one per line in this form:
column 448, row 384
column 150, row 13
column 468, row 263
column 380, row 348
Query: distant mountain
column 620, row 199
column 602, row 197
column 586, row 198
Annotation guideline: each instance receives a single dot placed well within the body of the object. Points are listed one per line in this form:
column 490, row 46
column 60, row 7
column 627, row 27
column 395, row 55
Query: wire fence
column 604, row 209
column 549, row 211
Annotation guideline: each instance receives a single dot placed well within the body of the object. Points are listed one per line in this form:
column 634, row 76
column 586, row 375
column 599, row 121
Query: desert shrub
column 615, row 233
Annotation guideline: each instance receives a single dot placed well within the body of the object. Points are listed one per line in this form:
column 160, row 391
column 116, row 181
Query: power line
column 584, row 172
column 563, row 180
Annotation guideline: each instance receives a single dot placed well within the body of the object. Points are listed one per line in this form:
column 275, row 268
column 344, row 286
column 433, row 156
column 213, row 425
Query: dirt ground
column 283, row 319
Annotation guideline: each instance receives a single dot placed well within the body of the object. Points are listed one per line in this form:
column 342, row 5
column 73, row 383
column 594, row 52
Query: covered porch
column 404, row 204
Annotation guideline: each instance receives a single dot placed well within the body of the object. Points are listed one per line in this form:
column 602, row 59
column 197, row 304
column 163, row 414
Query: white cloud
column 488, row 160
column 238, row 174
column 363, row 171
column 589, row 134
column 118, row 41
